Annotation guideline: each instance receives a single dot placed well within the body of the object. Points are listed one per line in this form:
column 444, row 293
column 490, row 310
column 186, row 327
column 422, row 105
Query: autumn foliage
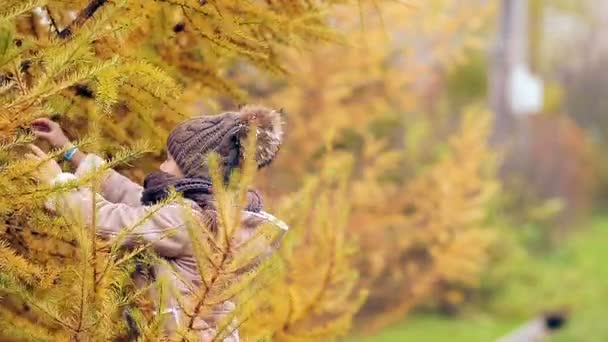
column 387, row 205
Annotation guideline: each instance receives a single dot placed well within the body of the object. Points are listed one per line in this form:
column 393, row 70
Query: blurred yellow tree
column 379, row 98
column 317, row 295
column 435, row 237
column 379, row 86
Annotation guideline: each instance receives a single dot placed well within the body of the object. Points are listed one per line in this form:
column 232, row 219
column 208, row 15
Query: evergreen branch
column 198, row 248
column 7, row 13
column 14, row 289
column 232, row 44
column 136, row 251
column 253, row 293
column 246, row 258
column 227, row 223
column 18, row 77
column 325, row 283
column 52, row 19
column 19, row 267
column 18, row 140
column 206, row 292
column 157, row 97
column 15, row 171
column 116, row 242
column 17, row 327
column 82, row 17
column 183, row 280
column 261, row 275
column 184, row 5
column 208, row 75
column 316, row 299
column 238, row 326
column 93, row 234
column 43, row 91
column 81, row 306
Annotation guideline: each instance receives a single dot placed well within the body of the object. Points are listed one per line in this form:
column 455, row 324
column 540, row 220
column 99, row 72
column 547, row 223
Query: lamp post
column 514, row 91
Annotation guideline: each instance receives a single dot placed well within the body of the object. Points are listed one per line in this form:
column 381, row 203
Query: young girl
column 122, row 203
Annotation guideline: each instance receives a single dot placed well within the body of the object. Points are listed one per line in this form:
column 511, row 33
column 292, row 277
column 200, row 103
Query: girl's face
column 170, row 166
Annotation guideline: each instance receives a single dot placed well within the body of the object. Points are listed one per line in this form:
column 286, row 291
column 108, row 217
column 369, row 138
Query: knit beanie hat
column 191, row 141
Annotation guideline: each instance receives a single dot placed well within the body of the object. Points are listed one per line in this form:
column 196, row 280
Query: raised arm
column 115, row 187
column 162, row 228
column 50, row 131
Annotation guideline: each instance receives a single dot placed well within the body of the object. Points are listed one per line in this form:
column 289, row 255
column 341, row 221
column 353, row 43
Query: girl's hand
column 50, row 131
column 48, row 169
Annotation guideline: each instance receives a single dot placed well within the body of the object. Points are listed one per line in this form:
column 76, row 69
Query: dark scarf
column 199, row 190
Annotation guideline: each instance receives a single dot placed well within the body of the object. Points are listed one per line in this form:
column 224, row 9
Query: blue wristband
column 69, row 154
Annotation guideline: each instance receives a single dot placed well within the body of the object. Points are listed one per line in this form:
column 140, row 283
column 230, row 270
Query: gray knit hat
column 191, row 141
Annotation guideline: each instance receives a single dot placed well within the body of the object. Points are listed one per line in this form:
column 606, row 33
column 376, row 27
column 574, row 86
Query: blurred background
column 528, row 228
column 476, row 129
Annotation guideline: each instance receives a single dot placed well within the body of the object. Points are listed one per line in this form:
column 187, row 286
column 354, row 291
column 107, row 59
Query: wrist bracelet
column 69, row 154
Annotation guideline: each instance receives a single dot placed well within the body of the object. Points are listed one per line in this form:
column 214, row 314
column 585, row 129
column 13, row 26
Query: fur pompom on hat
column 191, row 141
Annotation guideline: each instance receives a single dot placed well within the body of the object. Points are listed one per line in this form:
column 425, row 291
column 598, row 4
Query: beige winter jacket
column 118, row 207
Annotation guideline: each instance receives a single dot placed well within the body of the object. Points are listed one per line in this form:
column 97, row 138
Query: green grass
column 575, row 276
column 436, row 328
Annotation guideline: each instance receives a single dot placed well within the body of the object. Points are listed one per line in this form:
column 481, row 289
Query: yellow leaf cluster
column 420, row 220
column 436, row 234
column 317, row 294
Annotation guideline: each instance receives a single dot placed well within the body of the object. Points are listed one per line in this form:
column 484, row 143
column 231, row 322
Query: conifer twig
column 82, row 17
column 93, row 235
column 52, row 19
